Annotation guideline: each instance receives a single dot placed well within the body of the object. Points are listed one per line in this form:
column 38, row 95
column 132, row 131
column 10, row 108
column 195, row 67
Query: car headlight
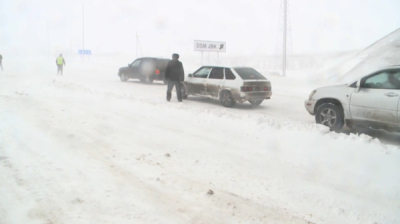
column 312, row 94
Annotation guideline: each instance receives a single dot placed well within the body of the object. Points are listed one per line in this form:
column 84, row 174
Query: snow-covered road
column 87, row 148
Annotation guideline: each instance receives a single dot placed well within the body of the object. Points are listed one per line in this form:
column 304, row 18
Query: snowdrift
column 382, row 53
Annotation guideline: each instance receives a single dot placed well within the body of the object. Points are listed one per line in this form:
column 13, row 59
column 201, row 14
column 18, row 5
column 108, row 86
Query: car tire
column 123, row 77
column 255, row 103
column 330, row 115
column 227, row 99
column 148, row 80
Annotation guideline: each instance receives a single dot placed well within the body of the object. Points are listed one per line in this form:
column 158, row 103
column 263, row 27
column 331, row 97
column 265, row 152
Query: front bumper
column 245, row 96
column 310, row 105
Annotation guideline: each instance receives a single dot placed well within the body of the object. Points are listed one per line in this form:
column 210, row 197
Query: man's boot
column 168, row 96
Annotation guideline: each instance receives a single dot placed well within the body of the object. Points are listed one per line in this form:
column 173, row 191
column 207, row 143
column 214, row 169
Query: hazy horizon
column 248, row 27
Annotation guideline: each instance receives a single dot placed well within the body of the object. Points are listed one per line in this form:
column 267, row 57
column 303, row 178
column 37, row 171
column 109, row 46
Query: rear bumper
column 245, row 96
column 157, row 77
column 310, row 105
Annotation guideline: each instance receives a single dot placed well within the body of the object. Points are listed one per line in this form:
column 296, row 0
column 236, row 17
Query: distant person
column 174, row 75
column 1, row 62
column 60, row 61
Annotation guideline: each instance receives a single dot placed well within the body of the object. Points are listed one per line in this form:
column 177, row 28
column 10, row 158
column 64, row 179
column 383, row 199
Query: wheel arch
column 329, row 100
column 222, row 90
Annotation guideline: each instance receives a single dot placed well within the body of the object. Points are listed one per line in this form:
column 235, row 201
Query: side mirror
column 358, row 86
column 190, row 75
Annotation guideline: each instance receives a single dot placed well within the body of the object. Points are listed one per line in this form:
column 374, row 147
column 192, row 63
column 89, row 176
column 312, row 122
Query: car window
column 383, row 80
column 249, row 73
column 202, row 73
column 217, row 73
column 162, row 64
column 135, row 63
column 229, row 74
column 148, row 62
column 147, row 65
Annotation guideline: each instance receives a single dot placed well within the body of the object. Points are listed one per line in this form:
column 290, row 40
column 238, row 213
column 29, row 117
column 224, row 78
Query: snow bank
column 80, row 149
column 382, row 53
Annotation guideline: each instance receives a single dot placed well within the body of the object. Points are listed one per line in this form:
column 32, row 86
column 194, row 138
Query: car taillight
column 157, row 71
column 246, row 89
column 267, row 88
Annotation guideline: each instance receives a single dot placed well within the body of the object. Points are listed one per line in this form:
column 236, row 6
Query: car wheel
column 123, row 77
column 255, row 102
column 148, row 80
column 227, row 99
column 330, row 115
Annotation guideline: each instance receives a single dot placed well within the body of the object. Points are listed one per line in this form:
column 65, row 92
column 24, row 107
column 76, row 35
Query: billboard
column 88, row 52
column 213, row 46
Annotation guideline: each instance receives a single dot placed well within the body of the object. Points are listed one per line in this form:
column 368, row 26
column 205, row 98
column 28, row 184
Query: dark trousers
column 177, row 85
column 59, row 69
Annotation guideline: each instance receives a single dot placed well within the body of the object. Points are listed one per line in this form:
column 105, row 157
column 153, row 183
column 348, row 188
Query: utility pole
column 137, row 49
column 284, row 37
column 83, row 31
column 138, row 46
column 48, row 39
column 283, row 47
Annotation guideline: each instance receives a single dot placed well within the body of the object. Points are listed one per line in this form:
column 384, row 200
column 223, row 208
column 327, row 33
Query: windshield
column 249, row 73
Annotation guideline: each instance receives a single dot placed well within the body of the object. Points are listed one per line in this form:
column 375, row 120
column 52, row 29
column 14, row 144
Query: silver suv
column 372, row 101
column 229, row 84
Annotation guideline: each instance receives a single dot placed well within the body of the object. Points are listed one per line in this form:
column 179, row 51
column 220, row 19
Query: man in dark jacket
column 174, row 74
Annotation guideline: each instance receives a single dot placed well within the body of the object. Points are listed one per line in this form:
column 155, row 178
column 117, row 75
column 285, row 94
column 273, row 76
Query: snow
column 384, row 52
column 87, row 148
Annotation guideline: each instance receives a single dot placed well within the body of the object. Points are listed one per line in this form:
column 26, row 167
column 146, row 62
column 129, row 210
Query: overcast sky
column 166, row 26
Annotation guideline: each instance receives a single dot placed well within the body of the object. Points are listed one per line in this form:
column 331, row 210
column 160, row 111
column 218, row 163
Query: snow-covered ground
column 87, row 148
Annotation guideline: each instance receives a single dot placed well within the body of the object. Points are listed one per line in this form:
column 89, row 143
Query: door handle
column 391, row 94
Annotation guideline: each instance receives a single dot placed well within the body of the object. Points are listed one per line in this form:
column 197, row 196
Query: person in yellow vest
column 60, row 61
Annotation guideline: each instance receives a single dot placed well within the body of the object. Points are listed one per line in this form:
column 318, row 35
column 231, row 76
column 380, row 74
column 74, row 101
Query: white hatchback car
column 229, row 84
column 372, row 101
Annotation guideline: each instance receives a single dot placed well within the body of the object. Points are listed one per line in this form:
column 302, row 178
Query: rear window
column 147, row 65
column 249, row 73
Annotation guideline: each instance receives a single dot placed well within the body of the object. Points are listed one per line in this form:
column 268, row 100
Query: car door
column 215, row 82
column 196, row 83
column 378, row 98
column 134, row 69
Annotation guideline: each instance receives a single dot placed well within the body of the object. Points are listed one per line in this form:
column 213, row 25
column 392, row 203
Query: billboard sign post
column 84, row 52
